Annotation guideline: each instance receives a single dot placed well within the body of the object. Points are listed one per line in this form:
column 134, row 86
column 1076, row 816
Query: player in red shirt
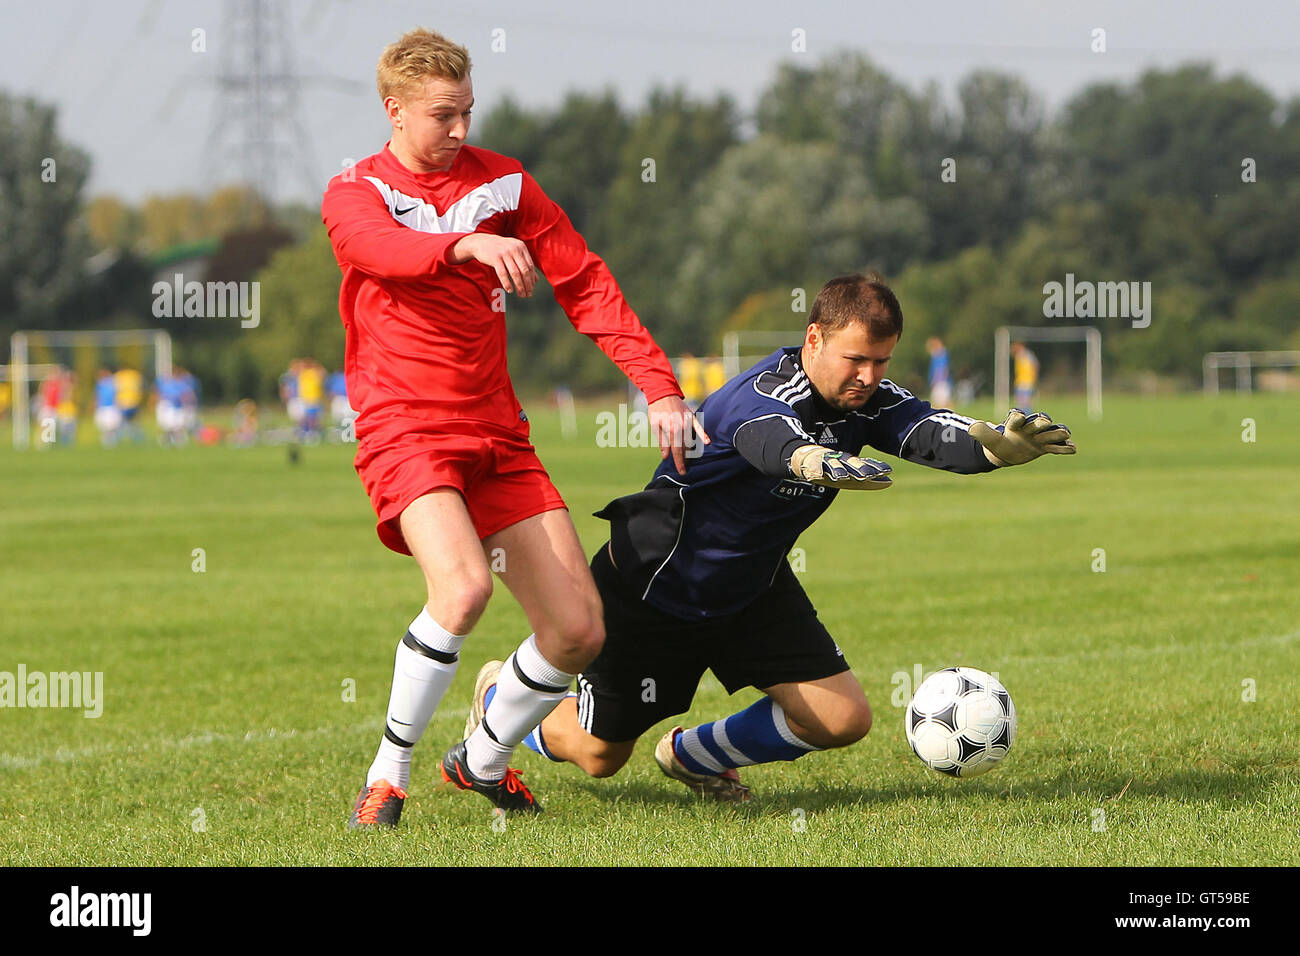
column 431, row 234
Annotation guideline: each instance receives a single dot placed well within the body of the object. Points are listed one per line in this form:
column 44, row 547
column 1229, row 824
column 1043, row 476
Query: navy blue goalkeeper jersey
column 709, row 542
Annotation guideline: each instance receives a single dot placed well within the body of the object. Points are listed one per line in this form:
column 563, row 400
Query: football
column 961, row 721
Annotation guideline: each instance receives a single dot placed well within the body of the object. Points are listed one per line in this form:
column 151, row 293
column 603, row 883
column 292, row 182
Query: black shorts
column 652, row 661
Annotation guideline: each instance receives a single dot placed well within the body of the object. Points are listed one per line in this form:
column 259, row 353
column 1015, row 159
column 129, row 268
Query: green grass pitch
column 1156, row 699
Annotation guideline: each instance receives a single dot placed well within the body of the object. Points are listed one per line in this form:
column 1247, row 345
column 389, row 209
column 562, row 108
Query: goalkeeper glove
column 1019, row 439
column 834, row 469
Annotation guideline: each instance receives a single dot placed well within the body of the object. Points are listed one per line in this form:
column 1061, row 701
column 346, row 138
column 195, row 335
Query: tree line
column 713, row 220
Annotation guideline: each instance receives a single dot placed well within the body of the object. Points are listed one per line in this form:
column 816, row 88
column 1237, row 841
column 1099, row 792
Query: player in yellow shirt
column 1025, row 376
column 715, row 376
column 311, row 391
column 130, row 396
column 691, row 378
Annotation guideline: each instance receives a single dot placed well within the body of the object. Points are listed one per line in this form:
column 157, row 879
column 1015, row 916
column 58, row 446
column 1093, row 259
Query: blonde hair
column 417, row 56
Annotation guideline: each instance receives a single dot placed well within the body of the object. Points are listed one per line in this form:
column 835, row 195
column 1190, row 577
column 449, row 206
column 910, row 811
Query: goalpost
column 22, row 373
column 1002, row 339
column 1244, row 363
column 735, row 361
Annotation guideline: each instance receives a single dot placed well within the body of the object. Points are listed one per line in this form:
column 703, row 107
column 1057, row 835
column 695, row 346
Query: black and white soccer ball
column 961, row 721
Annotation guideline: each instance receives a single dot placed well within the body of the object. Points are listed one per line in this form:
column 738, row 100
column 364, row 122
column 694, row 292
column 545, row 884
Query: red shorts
column 495, row 468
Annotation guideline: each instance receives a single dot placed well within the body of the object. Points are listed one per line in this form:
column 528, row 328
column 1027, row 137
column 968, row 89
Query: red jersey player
column 430, row 234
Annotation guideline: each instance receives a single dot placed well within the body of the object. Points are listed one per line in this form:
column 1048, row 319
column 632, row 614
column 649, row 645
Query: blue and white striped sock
column 533, row 741
column 528, row 688
column 758, row 734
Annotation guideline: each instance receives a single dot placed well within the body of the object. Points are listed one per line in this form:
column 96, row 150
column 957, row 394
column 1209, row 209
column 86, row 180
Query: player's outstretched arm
column 1021, row 439
column 821, row 466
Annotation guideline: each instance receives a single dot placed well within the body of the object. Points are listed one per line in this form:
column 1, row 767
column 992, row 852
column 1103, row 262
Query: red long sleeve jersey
column 423, row 338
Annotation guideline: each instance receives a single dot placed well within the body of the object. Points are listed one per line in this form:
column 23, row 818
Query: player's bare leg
column 438, row 530
column 565, row 740
column 831, row 712
column 546, row 569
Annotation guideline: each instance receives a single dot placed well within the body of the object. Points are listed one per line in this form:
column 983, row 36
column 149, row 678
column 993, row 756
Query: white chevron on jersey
column 888, row 386
column 797, row 388
column 793, row 389
column 894, row 390
column 464, row 215
column 952, row 418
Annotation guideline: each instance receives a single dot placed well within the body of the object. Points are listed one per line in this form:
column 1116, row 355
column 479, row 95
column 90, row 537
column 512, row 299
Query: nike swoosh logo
column 402, row 722
column 403, row 212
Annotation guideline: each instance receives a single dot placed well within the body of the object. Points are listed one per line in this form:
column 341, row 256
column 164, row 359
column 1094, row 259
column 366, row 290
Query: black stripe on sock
column 389, row 735
column 441, row 657
column 488, row 730
column 532, row 684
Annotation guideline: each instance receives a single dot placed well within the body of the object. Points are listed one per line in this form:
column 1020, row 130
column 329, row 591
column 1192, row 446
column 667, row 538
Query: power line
column 257, row 127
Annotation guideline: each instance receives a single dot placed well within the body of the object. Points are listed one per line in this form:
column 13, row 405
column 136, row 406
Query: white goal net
column 742, row 349
column 1002, row 339
column 1244, row 363
column 22, row 374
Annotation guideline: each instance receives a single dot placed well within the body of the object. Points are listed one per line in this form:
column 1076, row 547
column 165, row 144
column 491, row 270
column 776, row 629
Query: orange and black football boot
column 378, row 805
column 508, row 793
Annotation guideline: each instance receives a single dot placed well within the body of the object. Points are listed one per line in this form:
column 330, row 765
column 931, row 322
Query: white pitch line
column 61, row 755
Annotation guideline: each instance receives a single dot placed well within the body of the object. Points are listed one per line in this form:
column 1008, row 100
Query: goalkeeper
column 695, row 574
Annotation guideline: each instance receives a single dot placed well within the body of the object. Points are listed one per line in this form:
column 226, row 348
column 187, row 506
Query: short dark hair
column 858, row 298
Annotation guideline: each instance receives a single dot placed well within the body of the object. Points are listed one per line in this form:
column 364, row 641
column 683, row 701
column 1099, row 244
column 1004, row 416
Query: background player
column 695, row 575
column 336, row 387
column 130, row 396
column 430, row 233
column 311, row 392
column 66, row 410
column 189, row 392
column 108, row 417
column 940, row 386
column 289, row 394
column 1025, row 376
column 48, row 395
column 170, row 410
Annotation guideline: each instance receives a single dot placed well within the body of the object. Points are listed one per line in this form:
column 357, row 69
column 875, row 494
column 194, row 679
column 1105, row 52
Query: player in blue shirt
column 940, row 388
column 336, row 387
column 108, row 417
column 190, row 394
column 173, row 391
column 695, row 575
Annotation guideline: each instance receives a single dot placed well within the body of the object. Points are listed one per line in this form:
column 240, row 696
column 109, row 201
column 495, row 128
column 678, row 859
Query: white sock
column 527, row 690
column 425, row 664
